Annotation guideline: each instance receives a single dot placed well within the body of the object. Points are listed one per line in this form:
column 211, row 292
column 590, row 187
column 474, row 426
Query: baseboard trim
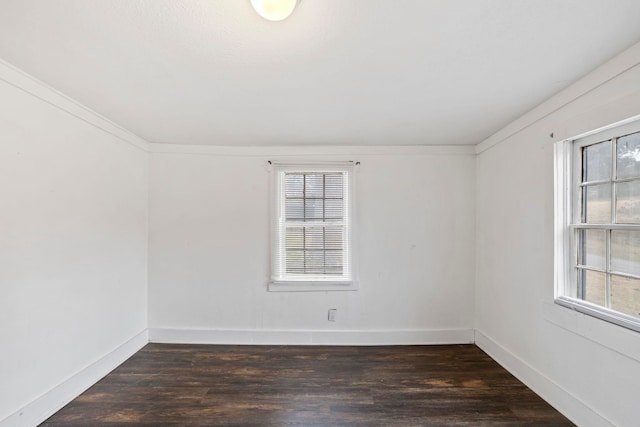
column 572, row 407
column 52, row 401
column 311, row 337
column 46, row 405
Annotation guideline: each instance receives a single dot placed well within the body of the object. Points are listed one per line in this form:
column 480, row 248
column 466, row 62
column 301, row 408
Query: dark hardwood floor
column 206, row 385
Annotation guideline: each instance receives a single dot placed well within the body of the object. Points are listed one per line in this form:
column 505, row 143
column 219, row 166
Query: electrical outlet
column 332, row 315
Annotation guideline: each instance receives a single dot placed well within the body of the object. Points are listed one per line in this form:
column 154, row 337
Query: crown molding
column 310, row 151
column 38, row 89
column 613, row 68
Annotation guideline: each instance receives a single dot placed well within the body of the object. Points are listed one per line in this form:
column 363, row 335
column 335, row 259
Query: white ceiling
column 390, row 72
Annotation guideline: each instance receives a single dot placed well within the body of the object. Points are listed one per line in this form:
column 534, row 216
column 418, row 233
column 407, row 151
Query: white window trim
column 565, row 242
column 304, row 284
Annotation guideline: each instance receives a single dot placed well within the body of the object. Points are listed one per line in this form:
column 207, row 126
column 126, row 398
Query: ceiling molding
column 215, row 73
column 29, row 84
column 316, row 150
column 617, row 66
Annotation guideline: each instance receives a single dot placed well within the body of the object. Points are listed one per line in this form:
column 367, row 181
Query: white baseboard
column 310, row 337
column 572, row 407
column 46, row 405
column 52, row 401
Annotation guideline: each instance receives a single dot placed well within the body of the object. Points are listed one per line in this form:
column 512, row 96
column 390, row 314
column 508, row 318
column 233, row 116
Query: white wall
column 554, row 350
column 74, row 225
column 73, row 236
column 209, row 251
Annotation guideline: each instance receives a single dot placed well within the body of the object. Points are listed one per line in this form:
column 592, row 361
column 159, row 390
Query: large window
column 599, row 232
column 312, row 227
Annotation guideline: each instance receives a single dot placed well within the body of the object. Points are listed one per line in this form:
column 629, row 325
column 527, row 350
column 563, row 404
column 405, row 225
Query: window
column 598, row 224
column 312, row 227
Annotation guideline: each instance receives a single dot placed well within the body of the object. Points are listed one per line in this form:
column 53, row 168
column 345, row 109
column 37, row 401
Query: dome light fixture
column 274, row 10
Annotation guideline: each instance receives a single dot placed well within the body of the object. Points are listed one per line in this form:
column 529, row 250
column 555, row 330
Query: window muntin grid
column 607, row 224
column 314, row 214
column 312, row 230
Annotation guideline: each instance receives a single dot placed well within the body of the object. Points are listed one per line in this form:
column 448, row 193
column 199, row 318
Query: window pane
column 314, row 262
column 625, row 251
column 597, row 162
column 333, row 262
column 295, row 262
column 334, row 238
column 295, row 238
column 625, row 295
column 313, row 209
column 333, row 208
column 294, row 208
column 628, row 202
column 333, row 186
column 314, row 186
column 591, row 244
column 597, row 203
column 628, row 156
column 594, row 287
column 314, row 238
column 293, row 185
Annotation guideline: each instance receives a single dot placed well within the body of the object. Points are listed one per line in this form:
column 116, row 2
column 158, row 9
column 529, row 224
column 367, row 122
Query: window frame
column 346, row 282
column 568, row 188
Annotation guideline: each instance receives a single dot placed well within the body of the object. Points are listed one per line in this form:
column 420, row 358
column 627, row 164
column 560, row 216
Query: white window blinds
column 312, row 224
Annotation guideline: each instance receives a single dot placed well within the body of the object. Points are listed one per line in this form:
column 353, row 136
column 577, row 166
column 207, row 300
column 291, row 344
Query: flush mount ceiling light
column 274, row 10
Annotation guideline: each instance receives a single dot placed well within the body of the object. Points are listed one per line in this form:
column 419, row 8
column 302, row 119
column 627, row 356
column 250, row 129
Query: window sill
column 602, row 314
column 299, row 286
column 617, row 338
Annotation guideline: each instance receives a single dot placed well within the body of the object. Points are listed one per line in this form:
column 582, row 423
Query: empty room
column 320, row 212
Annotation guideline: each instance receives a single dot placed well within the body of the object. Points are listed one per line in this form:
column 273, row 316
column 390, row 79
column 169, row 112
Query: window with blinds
column 312, row 227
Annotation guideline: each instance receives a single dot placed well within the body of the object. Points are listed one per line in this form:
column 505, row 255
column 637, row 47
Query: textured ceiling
column 394, row 72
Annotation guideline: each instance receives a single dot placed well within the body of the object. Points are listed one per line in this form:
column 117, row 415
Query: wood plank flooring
column 206, row 385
